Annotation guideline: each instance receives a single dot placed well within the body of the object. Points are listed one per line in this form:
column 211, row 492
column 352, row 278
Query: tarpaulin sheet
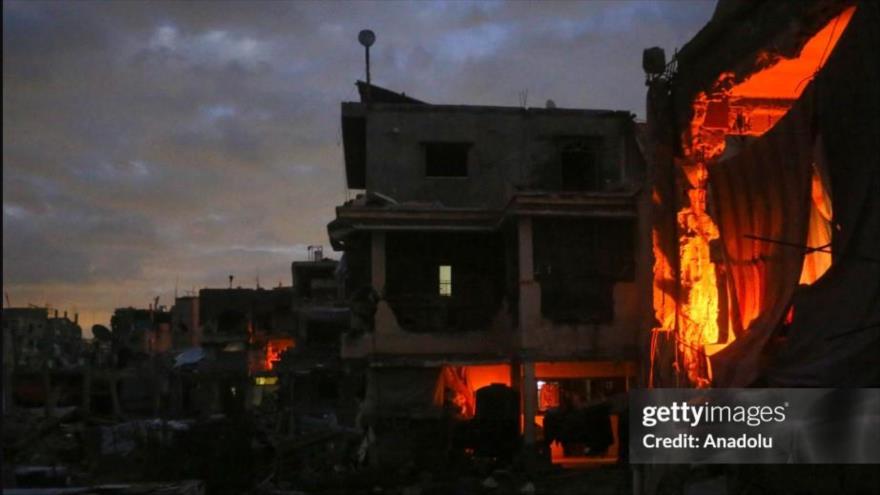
column 834, row 339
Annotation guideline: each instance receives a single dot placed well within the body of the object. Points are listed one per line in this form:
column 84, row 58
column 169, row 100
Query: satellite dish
column 366, row 38
column 102, row 333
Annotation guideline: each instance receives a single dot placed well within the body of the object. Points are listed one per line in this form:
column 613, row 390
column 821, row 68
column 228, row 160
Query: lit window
column 445, row 280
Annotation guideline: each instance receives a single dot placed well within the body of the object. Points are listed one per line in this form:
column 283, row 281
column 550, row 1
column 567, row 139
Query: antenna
column 366, row 38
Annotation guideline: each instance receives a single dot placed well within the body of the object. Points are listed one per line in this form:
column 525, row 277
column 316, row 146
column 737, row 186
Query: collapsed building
column 246, row 344
column 38, row 340
column 38, row 347
column 492, row 245
column 229, row 374
column 763, row 138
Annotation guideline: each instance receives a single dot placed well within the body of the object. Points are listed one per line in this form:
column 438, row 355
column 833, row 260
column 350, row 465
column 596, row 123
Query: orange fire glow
column 459, row 384
column 747, row 108
column 274, row 348
column 788, row 77
column 816, row 263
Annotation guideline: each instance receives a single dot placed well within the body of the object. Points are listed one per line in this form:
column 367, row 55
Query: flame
column 787, row 77
column 748, row 108
column 816, row 263
column 274, row 348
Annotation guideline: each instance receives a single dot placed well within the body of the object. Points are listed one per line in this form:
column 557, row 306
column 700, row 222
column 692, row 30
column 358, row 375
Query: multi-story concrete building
column 491, row 244
column 39, row 340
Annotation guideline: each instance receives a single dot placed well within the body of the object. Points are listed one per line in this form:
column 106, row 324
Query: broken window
column 580, row 165
column 577, row 262
column 446, row 159
column 445, row 275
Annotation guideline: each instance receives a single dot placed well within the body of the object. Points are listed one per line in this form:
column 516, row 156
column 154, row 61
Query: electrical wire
column 821, row 57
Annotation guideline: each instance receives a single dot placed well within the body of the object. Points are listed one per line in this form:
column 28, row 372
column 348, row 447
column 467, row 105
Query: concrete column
column 530, row 403
column 526, row 260
column 529, row 318
column 516, row 376
column 529, row 289
column 384, row 322
column 377, row 265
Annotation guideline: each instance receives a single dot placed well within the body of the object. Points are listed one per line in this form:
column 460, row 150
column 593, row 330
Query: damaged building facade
column 763, row 144
column 492, row 245
column 764, row 152
column 39, row 340
column 37, row 345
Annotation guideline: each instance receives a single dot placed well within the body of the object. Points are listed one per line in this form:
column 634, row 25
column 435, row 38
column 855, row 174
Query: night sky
column 148, row 144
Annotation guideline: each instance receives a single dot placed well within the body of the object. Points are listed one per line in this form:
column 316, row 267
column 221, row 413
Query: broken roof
column 745, row 36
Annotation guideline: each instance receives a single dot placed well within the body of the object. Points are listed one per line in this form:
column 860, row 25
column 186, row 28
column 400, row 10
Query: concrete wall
column 527, row 330
column 633, row 313
column 512, row 148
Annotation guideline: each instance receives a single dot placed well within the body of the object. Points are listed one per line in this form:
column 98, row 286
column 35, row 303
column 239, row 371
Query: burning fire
column 816, row 263
column 747, row 108
column 274, row 348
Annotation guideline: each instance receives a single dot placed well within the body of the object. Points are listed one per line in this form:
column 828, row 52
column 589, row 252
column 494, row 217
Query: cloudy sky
column 146, row 144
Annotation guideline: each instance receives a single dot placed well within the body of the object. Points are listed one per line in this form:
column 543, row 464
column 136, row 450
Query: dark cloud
column 147, row 142
column 68, row 242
